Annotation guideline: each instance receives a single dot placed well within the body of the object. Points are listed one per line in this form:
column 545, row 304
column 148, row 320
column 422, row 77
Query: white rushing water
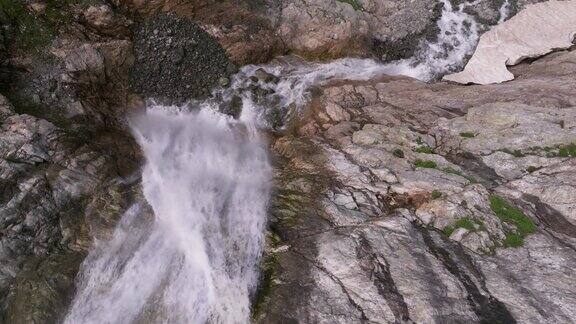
column 206, row 179
column 504, row 11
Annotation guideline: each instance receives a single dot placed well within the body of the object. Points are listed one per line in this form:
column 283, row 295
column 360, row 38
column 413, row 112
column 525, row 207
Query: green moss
column 354, row 3
column 398, row 153
column 562, row 150
column 456, row 172
column 267, row 269
column 425, row 164
column 448, row 230
column 516, row 153
column 568, row 150
column 453, row 171
column 471, row 225
column 531, row 169
column 481, row 226
column 465, row 223
column 26, row 30
column 512, row 215
column 436, row 194
column 467, row 134
column 549, row 151
column 513, row 240
column 424, row 149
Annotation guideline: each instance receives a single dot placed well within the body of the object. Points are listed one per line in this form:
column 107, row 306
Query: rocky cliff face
column 66, row 158
column 404, row 201
column 395, row 200
column 56, row 189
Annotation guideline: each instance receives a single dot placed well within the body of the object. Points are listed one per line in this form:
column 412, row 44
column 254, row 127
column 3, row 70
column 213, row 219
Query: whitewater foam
column 207, row 181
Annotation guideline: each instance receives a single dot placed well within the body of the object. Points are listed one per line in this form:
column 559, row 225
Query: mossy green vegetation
column 354, row 3
column 515, row 153
column 425, row 164
column 398, row 153
column 467, row 135
column 480, row 225
column 424, row 149
column 436, row 194
column 512, row 215
column 27, row 30
column 24, row 29
column 513, row 240
column 465, row 223
column 267, row 269
column 567, row 150
column 531, row 169
column 561, row 150
column 456, row 172
column 471, row 225
column 448, row 230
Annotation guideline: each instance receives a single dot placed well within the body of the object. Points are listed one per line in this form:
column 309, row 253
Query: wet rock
column 342, row 28
column 6, row 109
column 43, row 289
column 105, row 209
column 80, row 84
column 265, row 77
column 62, row 143
column 47, row 180
column 224, row 82
column 234, row 107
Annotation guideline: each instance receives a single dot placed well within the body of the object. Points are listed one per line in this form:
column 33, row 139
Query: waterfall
column 207, row 180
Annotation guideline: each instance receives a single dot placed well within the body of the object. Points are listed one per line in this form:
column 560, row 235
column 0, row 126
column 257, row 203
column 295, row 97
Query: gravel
column 176, row 60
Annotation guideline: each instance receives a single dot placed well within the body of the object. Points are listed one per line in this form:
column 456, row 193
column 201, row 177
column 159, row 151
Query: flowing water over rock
column 207, row 181
column 291, row 78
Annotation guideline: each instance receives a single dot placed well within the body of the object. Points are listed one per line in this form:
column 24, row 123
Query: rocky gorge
column 393, row 199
